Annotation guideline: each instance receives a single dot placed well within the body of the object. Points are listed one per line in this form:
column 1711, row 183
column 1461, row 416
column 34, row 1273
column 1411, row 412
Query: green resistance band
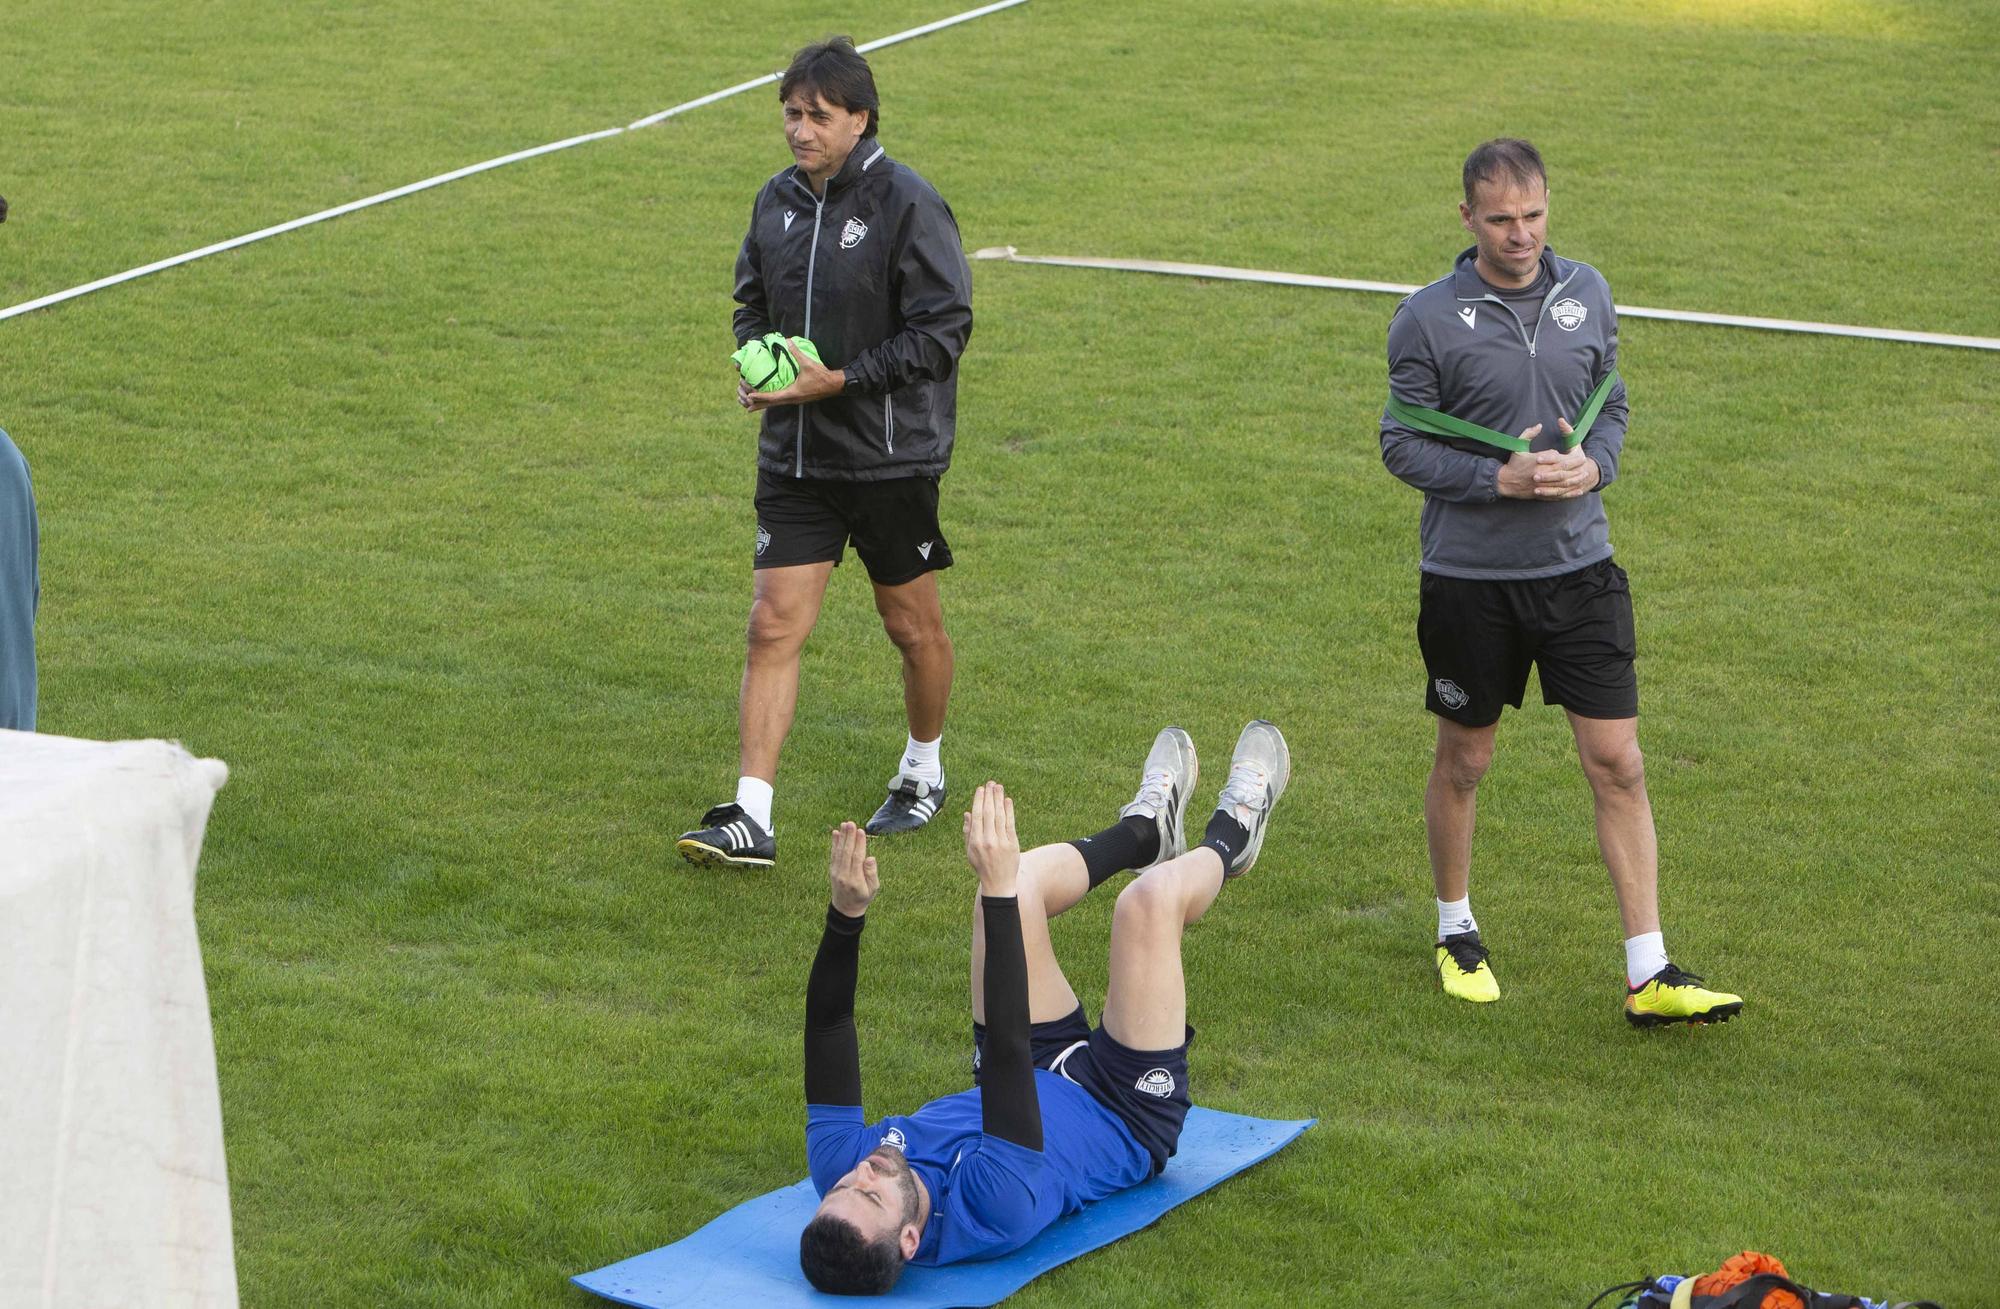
column 1442, row 424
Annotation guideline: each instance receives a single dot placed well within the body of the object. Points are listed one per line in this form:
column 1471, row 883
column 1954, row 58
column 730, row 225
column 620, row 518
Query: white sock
column 753, row 796
column 920, row 759
column 1455, row 916
column 1645, row 955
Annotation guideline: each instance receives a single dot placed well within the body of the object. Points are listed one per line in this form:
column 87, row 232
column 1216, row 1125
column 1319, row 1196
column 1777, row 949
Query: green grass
column 434, row 523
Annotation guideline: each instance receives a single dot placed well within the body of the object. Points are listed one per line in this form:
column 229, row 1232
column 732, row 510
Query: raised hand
column 851, row 870
column 991, row 846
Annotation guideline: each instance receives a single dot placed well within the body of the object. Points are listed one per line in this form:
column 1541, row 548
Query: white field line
column 1221, row 273
column 57, row 297
column 320, row 217
column 876, row 44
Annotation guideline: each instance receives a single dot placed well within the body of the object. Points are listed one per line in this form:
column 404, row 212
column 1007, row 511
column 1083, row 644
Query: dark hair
column 838, row 1260
column 1508, row 157
column 835, row 71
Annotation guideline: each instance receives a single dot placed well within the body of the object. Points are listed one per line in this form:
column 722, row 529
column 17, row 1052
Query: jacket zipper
column 1527, row 339
column 889, row 421
column 812, row 260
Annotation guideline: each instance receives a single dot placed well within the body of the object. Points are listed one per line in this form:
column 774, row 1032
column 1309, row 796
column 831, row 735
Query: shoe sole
column 872, row 830
column 703, row 855
column 1722, row 1013
column 899, row 825
column 1193, row 761
column 1469, row 999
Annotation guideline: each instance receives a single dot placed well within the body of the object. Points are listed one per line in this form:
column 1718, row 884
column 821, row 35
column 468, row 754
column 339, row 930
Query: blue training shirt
column 988, row 1196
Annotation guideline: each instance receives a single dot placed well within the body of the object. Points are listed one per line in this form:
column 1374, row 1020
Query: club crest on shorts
column 1569, row 313
column 850, row 235
column 1449, row 693
column 1157, row 1082
column 763, row 540
column 894, row 1137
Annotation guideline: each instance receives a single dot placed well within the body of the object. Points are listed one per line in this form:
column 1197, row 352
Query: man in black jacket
column 857, row 254
column 1061, row 1114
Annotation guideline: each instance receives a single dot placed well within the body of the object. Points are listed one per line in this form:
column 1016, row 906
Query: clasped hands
column 1548, row 474
column 991, row 847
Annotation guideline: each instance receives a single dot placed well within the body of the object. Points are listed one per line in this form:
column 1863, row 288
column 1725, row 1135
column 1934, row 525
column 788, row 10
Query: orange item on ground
column 1743, row 1267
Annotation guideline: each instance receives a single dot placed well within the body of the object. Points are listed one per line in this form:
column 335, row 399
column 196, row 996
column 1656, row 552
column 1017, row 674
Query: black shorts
column 1479, row 638
column 1146, row 1089
column 893, row 524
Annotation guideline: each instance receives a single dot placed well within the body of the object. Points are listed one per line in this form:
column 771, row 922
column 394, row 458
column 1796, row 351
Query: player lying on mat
column 1060, row 1114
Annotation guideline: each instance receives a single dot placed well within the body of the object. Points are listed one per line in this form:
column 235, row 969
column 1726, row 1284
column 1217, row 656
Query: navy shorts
column 1146, row 1089
column 1480, row 638
column 893, row 524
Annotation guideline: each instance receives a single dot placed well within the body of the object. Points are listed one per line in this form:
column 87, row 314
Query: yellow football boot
column 1672, row 996
column 1461, row 962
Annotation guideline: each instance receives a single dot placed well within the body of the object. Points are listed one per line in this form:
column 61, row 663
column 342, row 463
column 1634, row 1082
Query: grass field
column 434, row 523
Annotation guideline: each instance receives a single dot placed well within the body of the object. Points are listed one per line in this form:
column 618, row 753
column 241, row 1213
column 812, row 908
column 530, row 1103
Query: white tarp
column 112, row 1185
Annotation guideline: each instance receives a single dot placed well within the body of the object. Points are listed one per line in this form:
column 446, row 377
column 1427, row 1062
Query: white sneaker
column 1258, row 773
column 1164, row 789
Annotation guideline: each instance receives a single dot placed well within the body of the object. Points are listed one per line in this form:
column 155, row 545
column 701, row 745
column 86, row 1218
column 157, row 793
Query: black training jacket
column 875, row 276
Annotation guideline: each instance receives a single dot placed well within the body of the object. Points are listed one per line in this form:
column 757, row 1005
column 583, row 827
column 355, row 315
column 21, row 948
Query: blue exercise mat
column 750, row 1255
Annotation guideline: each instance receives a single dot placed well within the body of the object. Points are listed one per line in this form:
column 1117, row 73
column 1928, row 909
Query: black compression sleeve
column 1008, row 1105
column 833, row 1052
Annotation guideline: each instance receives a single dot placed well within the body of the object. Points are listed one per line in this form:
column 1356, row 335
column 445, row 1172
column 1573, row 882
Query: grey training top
column 1457, row 347
column 20, row 589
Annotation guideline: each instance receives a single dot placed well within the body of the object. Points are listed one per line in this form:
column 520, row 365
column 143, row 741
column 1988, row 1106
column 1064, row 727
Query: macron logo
column 1467, row 314
column 925, row 549
column 790, row 214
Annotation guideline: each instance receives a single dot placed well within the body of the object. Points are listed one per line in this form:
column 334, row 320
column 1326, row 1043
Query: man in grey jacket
column 1488, row 367
column 857, row 254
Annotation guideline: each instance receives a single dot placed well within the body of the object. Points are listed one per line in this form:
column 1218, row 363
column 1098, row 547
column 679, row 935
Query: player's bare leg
column 1657, row 991
column 1609, row 751
column 913, row 617
column 1450, row 803
column 1053, row 878
column 1451, row 798
column 1145, row 1000
column 784, row 606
